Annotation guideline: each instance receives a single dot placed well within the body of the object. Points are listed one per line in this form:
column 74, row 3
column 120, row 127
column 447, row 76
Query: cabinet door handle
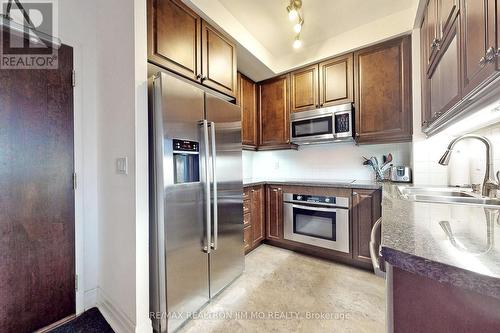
column 435, row 44
column 482, row 61
column 490, row 55
column 199, row 77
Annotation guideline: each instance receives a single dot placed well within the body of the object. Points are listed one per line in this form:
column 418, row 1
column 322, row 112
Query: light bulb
column 297, row 43
column 297, row 27
column 292, row 14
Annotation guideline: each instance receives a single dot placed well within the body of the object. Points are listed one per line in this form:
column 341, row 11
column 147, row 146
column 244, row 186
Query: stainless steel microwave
column 330, row 124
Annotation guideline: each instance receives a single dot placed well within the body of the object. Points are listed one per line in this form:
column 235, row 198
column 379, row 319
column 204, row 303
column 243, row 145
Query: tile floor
column 284, row 290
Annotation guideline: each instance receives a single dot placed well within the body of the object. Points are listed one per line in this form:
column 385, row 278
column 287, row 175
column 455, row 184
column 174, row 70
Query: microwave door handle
column 207, row 188
column 214, row 180
column 318, row 209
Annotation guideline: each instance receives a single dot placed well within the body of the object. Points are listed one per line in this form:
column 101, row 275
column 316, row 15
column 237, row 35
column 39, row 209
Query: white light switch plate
column 122, row 166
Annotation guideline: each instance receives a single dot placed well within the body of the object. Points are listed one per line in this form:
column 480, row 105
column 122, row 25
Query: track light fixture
column 294, row 14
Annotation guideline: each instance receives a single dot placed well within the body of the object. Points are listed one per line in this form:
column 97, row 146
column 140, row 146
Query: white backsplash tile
column 467, row 164
column 329, row 162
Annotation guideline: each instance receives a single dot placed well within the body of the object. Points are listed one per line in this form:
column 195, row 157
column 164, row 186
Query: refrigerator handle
column 214, row 180
column 207, row 189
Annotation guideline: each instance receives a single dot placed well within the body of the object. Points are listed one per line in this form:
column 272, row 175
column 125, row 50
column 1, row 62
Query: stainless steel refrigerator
column 196, row 228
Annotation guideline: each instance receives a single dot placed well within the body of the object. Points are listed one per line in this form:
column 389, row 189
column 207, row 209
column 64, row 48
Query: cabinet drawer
column 247, row 218
column 246, row 206
column 246, row 194
column 247, row 237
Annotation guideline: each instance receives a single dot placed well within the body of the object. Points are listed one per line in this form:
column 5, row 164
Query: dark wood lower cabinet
column 274, row 213
column 421, row 304
column 253, row 217
column 366, row 210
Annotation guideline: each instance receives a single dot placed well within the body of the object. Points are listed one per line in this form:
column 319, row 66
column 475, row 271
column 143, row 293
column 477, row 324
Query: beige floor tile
column 283, row 291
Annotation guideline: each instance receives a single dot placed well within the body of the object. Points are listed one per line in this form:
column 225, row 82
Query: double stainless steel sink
column 445, row 195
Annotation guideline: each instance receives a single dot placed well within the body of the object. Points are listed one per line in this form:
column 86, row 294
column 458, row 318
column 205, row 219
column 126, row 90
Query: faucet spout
column 489, row 184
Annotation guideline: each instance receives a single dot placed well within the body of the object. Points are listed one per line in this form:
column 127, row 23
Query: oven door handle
column 318, row 209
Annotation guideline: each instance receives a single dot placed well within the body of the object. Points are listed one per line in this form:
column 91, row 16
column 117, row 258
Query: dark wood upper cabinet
column 247, row 99
column 336, row 81
column 219, row 61
column 274, row 112
column 479, row 42
column 448, row 10
column 432, row 30
column 366, row 210
column 257, row 212
column 383, row 92
column 424, row 63
column 325, row 84
column 465, row 60
column 274, row 213
column 180, row 41
column 443, row 88
column 174, row 37
column 304, row 89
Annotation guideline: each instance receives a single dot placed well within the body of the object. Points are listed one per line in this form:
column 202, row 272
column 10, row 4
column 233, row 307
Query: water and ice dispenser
column 186, row 161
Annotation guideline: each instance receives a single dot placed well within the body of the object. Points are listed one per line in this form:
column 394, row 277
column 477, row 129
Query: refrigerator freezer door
column 227, row 255
column 179, row 267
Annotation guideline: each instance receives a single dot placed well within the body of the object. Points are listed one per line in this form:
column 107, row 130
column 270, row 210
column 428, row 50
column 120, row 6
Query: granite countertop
column 414, row 239
column 349, row 183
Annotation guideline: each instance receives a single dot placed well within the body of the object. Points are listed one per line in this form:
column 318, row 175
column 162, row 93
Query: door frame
column 78, row 133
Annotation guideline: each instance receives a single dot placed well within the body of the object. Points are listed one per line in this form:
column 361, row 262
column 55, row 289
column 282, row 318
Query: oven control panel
column 314, row 199
column 318, row 200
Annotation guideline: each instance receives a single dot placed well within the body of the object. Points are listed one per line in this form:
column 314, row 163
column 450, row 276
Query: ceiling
column 265, row 34
column 268, row 22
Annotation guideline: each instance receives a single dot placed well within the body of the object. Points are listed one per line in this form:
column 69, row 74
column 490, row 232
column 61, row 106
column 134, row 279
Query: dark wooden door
column 274, row 112
column 425, row 49
column 218, row 61
column 443, row 88
column 247, row 99
column 247, row 238
column 174, row 37
column 304, row 89
column 366, row 210
column 258, row 215
column 448, row 10
column 432, row 30
column 478, row 42
column 336, row 81
column 383, row 92
column 37, row 225
column 274, row 215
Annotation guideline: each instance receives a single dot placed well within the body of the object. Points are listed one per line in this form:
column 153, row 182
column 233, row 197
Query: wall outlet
column 122, row 166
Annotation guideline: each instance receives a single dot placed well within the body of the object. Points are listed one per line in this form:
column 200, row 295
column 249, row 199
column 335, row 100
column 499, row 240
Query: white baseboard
column 90, row 299
column 116, row 318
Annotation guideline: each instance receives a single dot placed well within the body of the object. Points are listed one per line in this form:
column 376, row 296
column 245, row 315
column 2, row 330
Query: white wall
column 79, row 32
column 109, row 41
column 339, row 161
column 123, row 212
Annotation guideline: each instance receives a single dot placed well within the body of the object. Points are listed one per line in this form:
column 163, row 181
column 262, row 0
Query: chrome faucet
column 489, row 184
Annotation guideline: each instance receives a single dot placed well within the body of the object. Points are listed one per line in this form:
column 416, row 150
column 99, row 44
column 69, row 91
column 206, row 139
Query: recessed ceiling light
column 297, row 43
